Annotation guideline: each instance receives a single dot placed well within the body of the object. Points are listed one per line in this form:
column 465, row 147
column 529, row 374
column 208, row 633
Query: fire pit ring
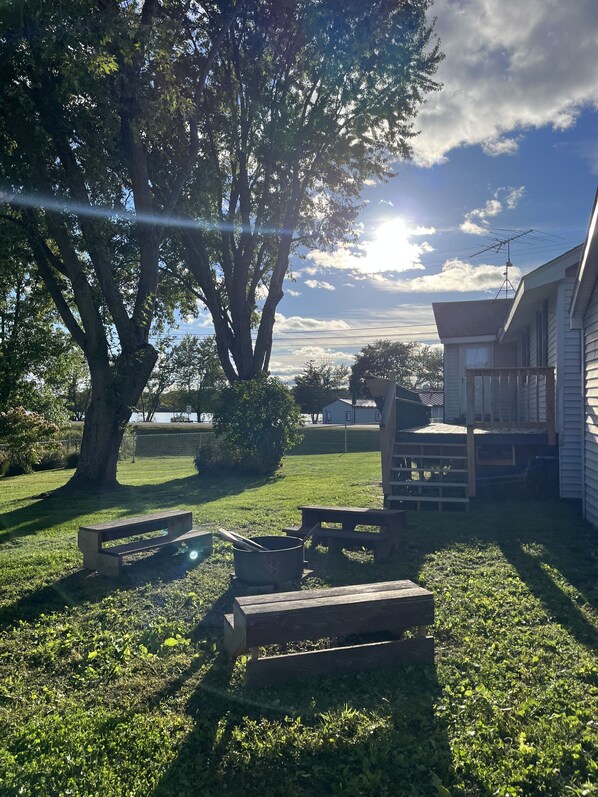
column 282, row 562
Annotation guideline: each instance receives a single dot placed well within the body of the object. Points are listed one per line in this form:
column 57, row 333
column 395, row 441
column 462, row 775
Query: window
column 542, row 335
column 327, row 416
column 347, row 415
column 477, row 357
column 377, row 415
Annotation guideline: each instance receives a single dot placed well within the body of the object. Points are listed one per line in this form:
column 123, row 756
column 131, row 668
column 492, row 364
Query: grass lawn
column 119, row 688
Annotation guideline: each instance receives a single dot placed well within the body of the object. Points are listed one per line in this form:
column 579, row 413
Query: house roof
column 367, row 403
column 470, row 319
column 537, row 286
column 432, row 398
column 588, row 270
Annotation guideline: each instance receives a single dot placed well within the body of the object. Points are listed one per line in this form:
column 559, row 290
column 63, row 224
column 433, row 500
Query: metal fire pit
column 281, row 563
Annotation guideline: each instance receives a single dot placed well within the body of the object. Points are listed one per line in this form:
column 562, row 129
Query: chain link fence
column 327, row 439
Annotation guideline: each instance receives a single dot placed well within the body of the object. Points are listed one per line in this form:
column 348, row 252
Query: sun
column 391, row 249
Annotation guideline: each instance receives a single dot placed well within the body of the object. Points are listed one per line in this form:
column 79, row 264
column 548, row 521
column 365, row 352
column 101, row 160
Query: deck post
column 471, row 482
column 388, row 427
column 550, row 409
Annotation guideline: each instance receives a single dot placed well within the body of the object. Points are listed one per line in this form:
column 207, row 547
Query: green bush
column 22, row 433
column 71, row 460
column 256, row 422
column 51, row 457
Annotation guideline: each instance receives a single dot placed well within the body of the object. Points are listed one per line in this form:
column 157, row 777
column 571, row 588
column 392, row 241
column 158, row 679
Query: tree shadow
column 86, row 586
column 542, row 540
column 373, row 732
column 61, row 508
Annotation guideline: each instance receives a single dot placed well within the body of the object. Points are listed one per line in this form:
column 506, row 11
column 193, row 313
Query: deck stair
column 428, row 474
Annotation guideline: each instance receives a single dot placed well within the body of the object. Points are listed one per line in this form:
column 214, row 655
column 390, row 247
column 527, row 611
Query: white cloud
column 422, row 231
column 501, row 146
column 476, row 221
column 391, row 249
column 514, row 196
column 509, row 65
column 456, row 276
column 325, row 286
column 291, row 292
column 299, row 323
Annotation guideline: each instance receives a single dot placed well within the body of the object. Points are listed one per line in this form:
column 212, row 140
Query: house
column 343, row 411
column 584, row 317
column 434, row 399
column 512, row 399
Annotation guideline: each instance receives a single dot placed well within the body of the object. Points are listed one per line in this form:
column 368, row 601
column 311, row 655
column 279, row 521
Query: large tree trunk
column 115, row 392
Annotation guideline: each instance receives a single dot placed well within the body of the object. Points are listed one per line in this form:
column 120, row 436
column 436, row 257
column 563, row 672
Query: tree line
column 159, row 154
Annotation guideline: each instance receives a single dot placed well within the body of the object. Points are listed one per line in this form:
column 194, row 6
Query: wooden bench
column 382, row 543
column 390, row 607
column 177, row 525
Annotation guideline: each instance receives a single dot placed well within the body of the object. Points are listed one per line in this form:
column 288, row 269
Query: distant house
column 584, row 317
column 342, row 411
column 434, row 399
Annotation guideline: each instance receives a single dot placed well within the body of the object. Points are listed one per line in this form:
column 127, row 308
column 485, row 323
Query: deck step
column 439, row 499
column 412, row 459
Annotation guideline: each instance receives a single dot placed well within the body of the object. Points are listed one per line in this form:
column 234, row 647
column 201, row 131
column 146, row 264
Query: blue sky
column 510, row 143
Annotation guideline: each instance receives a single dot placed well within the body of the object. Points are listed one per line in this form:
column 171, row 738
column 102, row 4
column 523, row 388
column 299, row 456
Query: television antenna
column 498, row 245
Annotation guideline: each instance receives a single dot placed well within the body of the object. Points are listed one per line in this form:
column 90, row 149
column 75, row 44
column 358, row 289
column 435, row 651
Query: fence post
column 345, row 437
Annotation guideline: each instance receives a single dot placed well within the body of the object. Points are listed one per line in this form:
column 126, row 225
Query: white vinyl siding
column 569, row 397
column 591, row 410
column 452, row 382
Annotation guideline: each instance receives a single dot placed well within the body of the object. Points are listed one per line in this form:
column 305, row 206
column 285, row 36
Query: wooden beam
column 277, row 669
column 471, row 464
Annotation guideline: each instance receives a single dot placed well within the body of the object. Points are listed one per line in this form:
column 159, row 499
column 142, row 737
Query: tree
column 319, row 385
column 428, row 367
column 309, row 100
column 197, row 372
column 413, row 365
column 161, row 379
column 92, row 93
column 256, row 422
column 32, row 348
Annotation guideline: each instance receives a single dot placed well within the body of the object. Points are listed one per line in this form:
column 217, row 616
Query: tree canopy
column 413, row 365
column 92, row 92
column 318, row 385
column 309, row 100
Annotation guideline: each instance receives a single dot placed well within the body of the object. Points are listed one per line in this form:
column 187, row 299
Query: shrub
column 51, row 457
column 22, row 433
column 255, row 422
column 71, row 460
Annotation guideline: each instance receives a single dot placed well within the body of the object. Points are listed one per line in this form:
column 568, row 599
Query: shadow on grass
column 543, row 541
column 63, row 507
column 369, row 733
column 85, row 586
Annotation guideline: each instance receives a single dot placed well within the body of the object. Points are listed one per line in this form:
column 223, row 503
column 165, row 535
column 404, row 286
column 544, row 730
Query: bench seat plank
column 275, row 669
column 175, row 521
column 327, row 592
column 204, row 537
column 336, row 616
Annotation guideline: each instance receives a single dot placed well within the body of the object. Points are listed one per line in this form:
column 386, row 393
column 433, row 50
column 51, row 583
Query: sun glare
column 392, row 250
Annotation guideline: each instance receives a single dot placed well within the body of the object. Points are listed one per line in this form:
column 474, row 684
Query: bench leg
column 234, row 643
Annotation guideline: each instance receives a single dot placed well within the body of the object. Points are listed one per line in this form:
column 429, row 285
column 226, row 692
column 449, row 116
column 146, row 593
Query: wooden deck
column 448, row 430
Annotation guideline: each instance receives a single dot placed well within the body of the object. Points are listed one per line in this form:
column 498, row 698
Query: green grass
column 120, row 687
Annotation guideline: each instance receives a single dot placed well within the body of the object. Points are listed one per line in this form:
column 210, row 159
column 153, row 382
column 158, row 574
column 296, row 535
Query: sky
column 508, row 145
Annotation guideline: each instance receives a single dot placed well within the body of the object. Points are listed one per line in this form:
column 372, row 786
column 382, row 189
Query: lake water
column 164, row 417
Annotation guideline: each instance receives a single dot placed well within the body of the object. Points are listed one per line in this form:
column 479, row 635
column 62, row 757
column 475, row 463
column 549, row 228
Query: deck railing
column 511, row 398
column 388, row 430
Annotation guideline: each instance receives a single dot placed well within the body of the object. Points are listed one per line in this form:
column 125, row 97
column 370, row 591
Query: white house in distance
column 342, row 411
column 434, row 399
column 584, row 317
